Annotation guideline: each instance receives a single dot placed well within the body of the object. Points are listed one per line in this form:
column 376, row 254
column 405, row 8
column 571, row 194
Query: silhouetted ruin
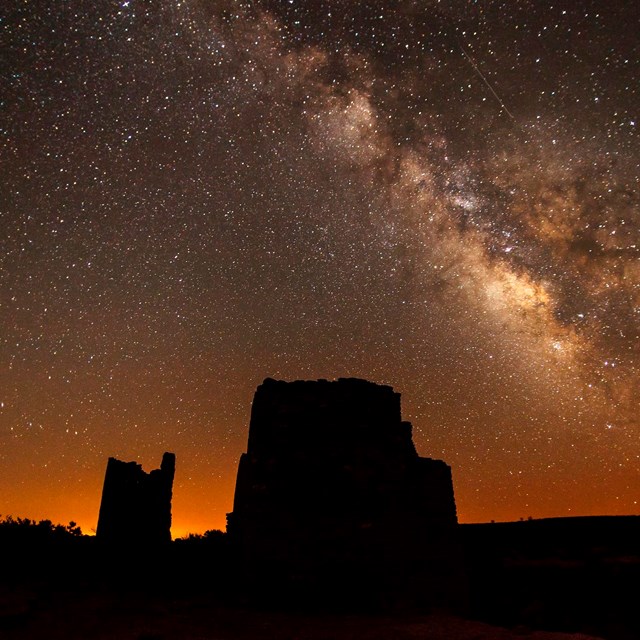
column 136, row 506
column 332, row 492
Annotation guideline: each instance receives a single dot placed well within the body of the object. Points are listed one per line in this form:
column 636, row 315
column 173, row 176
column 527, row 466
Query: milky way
column 440, row 196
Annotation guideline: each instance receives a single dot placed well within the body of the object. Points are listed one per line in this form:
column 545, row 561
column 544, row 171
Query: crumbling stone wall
column 136, row 506
column 332, row 490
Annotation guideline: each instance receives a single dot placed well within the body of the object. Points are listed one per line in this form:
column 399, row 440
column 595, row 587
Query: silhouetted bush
column 40, row 551
column 27, row 530
column 212, row 536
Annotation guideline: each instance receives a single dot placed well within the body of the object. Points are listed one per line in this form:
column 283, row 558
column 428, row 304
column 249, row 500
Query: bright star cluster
column 438, row 195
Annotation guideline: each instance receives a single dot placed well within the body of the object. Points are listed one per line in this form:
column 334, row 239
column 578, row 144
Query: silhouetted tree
column 27, row 530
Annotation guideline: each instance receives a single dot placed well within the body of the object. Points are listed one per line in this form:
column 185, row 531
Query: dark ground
column 569, row 574
column 534, row 579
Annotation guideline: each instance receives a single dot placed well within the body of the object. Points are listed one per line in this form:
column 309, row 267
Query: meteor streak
column 484, row 79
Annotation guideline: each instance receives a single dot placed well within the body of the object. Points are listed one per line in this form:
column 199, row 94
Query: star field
column 440, row 196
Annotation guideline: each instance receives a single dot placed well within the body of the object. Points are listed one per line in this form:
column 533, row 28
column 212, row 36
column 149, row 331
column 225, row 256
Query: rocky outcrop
column 136, row 506
column 332, row 491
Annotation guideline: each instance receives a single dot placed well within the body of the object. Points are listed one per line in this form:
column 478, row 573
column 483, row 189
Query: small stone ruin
column 136, row 506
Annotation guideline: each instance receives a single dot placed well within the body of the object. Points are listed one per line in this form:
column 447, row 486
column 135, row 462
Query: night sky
column 439, row 196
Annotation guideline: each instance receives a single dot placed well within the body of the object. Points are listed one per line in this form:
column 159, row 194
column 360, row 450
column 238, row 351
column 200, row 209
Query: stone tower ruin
column 331, row 492
column 136, row 506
